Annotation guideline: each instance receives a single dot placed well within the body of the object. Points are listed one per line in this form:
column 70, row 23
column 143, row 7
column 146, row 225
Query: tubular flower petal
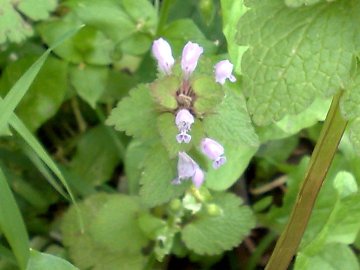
column 190, row 57
column 162, row 52
column 198, row 178
column 223, row 71
column 214, row 151
column 183, row 120
column 188, row 168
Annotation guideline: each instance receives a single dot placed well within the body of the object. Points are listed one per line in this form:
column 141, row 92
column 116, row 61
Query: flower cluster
column 184, row 118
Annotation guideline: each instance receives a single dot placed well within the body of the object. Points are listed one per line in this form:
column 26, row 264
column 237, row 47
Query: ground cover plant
column 179, row 134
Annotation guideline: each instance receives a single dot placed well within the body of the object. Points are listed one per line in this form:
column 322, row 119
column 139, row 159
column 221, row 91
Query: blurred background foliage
column 65, row 109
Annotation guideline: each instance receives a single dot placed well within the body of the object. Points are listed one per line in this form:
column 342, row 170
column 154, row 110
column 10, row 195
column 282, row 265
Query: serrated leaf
column 231, row 126
column 159, row 172
column 96, row 156
column 208, row 94
column 211, row 235
column 89, row 82
column 35, row 9
column 136, row 114
column 168, row 131
column 164, row 91
column 88, row 253
column 14, row 27
column 39, row 104
column 134, row 162
column 43, row 261
column 116, row 225
column 231, row 13
column 295, row 55
column 331, row 257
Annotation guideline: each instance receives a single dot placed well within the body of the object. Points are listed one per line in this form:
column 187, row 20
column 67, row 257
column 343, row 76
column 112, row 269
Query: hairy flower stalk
column 188, row 168
column 214, row 151
column 183, row 120
column 223, row 71
column 163, row 54
column 190, row 57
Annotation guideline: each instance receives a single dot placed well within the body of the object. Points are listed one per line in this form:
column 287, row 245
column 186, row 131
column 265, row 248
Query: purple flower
column 183, row 120
column 188, row 168
column 214, row 151
column 190, row 57
column 223, row 71
column 162, row 52
column 183, row 137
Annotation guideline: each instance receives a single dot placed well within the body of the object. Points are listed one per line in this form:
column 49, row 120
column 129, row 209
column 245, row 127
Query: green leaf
column 298, row 3
column 292, row 124
column 12, row 224
column 39, row 104
column 15, row 27
column 116, row 225
column 349, row 103
column 89, row 82
column 211, row 235
column 331, row 257
column 134, row 162
column 159, row 172
column 230, row 126
column 89, row 45
column 164, row 91
column 295, row 55
column 43, row 261
column 179, row 32
column 208, row 95
column 102, row 214
column 231, row 13
column 135, row 114
column 354, row 134
column 122, row 21
column 35, row 9
column 96, row 156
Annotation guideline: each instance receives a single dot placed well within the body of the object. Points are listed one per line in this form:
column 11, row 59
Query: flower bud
column 214, row 151
column 190, row 57
column 162, row 52
column 223, row 71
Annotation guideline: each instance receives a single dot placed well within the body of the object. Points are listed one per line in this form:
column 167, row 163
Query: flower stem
column 164, row 14
column 320, row 162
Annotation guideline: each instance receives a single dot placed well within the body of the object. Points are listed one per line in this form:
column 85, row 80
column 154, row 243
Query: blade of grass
column 12, row 224
column 320, row 163
column 39, row 164
column 20, row 88
column 31, row 140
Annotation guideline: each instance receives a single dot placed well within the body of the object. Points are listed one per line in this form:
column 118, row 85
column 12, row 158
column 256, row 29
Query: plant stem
column 164, row 14
column 320, row 162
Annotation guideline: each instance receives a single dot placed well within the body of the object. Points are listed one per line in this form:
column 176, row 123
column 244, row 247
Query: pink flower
column 223, row 71
column 188, row 168
column 162, row 52
column 214, row 151
column 190, row 57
